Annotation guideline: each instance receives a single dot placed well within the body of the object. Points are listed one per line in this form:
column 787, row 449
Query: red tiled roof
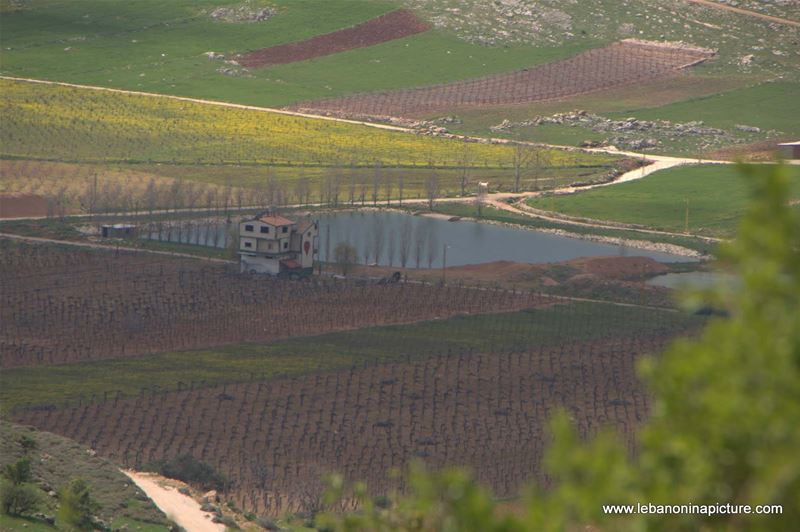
column 303, row 225
column 276, row 220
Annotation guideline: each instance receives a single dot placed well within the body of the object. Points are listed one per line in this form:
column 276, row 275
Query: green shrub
column 77, row 507
column 18, row 472
column 19, row 499
column 190, row 470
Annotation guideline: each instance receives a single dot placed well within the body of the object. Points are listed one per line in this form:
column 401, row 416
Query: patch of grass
column 55, row 461
column 717, row 198
column 772, row 105
column 715, row 100
column 480, row 333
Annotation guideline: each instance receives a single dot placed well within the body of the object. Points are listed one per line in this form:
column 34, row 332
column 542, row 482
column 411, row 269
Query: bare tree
column 522, row 157
column 433, row 248
column 239, row 198
column 351, row 187
column 465, row 164
column 387, row 187
column 227, row 194
column 89, row 201
column 376, row 181
column 391, row 247
column 378, row 234
column 432, row 189
column 541, row 160
column 400, row 186
column 419, row 244
column 302, row 190
column 405, row 241
column 346, row 256
column 192, row 194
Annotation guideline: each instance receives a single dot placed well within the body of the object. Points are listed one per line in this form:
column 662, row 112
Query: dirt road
column 717, row 5
column 182, row 509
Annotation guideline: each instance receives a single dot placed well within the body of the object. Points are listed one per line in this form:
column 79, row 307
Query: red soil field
column 18, row 205
column 275, row 440
column 622, row 63
column 60, row 306
column 388, row 27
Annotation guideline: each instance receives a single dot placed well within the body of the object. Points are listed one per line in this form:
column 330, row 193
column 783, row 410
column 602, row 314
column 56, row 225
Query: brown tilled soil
column 388, row 27
column 275, row 440
column 17, row 205
column 618, row 64
column 504, row 271
column 62, row 306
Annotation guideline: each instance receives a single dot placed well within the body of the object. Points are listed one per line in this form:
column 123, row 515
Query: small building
column 789, row 150
column 118, row 231
column 275, row 245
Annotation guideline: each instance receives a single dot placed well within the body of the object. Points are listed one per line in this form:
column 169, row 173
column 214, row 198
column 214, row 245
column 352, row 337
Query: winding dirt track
column 739, row 10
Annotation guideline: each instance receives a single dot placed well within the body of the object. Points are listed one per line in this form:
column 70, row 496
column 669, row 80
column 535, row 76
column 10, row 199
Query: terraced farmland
column 623, row 63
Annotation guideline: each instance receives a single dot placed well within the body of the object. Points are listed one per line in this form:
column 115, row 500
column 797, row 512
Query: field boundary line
column 42, row 240
column 746, row 12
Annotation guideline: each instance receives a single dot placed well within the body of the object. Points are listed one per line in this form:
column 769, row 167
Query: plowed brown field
column 275, row 440
column 621, row 63
column 60, row 306
column 388, row 27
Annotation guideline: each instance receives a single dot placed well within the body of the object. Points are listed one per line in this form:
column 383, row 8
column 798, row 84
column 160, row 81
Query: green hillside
column 55, row 462
column 157, row 47
column 717, row 197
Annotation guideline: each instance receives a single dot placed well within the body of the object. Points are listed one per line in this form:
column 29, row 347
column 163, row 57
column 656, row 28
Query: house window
column 285, row 229
column 248, row 244
column 264, row 229
column 269, row 246
column 248, row 228
column 285, row 245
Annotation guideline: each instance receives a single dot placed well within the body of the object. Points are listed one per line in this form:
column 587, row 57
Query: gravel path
column 180, row 508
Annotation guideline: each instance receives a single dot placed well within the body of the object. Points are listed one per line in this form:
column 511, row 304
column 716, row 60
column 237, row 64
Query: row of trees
column 110, row 194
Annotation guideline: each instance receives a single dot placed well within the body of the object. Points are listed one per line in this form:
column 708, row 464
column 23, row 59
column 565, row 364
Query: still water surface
column 388, row 237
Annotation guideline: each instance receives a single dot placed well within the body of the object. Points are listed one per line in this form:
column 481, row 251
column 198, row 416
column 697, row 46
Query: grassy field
column 717, row 101
column 717, row 197
column 55, row 461
column 152, row 46
column 483, row 333
column 80, row 142
column 772, row 105
column 53, row 122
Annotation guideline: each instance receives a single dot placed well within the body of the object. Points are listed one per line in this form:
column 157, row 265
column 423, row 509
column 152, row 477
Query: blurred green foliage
column 724, row 424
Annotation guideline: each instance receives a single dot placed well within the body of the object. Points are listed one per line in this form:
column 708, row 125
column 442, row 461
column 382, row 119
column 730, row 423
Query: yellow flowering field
column 83, row 125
